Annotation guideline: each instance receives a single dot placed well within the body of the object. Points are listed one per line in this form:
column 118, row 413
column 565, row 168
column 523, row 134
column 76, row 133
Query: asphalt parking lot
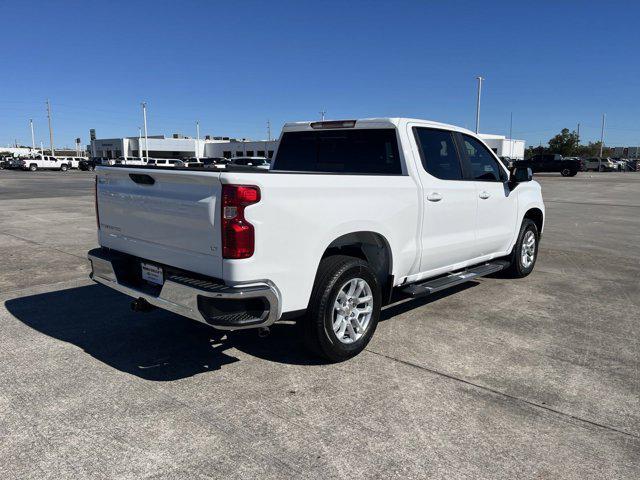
column 532, row 378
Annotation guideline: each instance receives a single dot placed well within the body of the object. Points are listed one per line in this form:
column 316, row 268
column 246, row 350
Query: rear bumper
column 209, row 302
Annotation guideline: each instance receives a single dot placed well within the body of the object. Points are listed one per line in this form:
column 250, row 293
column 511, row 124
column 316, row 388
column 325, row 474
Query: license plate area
column 152, row 273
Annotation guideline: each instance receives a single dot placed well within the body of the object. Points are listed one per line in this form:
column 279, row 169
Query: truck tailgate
column 167, row 216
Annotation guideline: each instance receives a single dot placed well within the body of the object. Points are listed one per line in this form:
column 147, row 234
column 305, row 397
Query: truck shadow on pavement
column 158, row 345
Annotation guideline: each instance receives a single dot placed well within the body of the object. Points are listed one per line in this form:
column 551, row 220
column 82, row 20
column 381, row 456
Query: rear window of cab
column 358, row 151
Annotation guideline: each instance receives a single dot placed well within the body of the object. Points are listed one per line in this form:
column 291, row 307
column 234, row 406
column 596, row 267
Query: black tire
column 33, row 168
column 573, row 173
column 565, row 172
column 317, row 325
column 601, row 168
column 63, row 167
column 517, row 268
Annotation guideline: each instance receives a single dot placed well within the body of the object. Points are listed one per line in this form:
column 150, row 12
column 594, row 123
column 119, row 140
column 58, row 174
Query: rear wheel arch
column 373, row 248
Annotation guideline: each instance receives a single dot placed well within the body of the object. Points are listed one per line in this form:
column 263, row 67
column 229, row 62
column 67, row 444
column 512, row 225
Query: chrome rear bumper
column 190, row 296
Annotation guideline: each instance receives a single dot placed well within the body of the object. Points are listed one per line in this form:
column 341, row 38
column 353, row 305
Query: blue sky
column 233, row 65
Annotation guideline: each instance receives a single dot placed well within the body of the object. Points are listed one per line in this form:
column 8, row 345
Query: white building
column 178, row 146
column 503, row 146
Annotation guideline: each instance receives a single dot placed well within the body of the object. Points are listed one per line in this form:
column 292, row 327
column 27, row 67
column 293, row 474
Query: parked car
column 549, row 162
column 72, row 162
column 15, row 162
column 620, row 164
column 259, row 162
column 600, row 164
column 130, row 161
column 165, row 162
column 87, row 164
column 215, row 162
column 207, row 162
column 5, row 162
column 349, row 211
column 45, row 162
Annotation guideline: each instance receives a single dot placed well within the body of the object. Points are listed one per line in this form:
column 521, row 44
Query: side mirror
column 519, row 175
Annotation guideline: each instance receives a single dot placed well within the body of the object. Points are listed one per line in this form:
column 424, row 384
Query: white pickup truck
column 349, row 212
column 45, row 162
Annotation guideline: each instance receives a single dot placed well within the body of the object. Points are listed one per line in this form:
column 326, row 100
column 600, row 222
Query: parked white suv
column 349, row 211
column 45, row 162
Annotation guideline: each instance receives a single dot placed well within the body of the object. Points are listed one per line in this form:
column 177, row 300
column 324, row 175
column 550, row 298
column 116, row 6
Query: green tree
column 564, row 143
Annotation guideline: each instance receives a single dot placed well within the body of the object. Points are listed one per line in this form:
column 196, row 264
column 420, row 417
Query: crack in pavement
column 41, row 245
column 506, row 395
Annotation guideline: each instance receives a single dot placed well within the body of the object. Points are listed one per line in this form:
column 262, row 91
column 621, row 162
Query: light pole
column 33, row 137
column 322, row 112
column 197, row 140
column 269, row 130
column 50, row 129
column 480, row 79
column 604, row 117
column 140, row 143
column 144, row 118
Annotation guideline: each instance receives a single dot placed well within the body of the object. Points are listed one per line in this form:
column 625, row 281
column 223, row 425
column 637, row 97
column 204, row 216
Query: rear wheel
column 565, row 172
column 344, row 308
column 525, row 252
column 33, row 168
column 63, row 167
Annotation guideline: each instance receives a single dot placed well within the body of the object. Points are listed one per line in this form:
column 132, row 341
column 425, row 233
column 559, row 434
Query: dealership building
column 178, row 146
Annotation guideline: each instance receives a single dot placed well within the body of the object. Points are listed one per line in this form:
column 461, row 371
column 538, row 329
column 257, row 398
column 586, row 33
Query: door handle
column 434, row 197
column 484, row 195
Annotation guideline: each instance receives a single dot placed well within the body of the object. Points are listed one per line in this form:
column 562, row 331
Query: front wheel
column 63, row 168
column 344, row 308
column 565, row 172
column 525, row 252
column 33, row 168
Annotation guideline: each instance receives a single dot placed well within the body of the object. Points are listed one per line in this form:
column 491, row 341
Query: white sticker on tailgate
column 152, row 274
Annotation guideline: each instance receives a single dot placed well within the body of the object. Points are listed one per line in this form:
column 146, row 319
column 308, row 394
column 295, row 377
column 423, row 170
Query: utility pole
column 480, row 79
column 511, row 136
column 41, row 148
column 604, row 117
column 197, row 140
column 146, row 141
column 578, row 133
column 33, row 137
column 269, row 130
column 322, row 112
column 50, row 129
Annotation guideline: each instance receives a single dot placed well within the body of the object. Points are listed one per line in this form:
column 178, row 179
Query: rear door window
column 439, row 153
column 357, row 151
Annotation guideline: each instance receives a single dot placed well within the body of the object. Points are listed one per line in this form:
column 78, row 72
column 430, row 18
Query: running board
column 442, row 283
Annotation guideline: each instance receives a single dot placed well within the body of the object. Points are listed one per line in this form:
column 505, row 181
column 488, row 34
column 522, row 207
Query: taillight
column 95, row 201
column 238, row 236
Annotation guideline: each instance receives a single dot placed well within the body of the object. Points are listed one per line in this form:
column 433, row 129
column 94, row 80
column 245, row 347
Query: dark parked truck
column 550, row 162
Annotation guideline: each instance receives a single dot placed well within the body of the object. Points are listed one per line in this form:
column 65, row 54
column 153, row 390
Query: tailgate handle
column 142, row 178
